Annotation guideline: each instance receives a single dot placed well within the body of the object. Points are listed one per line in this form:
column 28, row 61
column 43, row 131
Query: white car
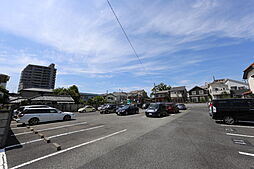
column 33, row 116
column 86, row 109
column 22, row 108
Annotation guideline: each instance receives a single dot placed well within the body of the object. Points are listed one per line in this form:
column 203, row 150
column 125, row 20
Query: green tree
column 72, row 91
column 161, row 87
column 96, row 101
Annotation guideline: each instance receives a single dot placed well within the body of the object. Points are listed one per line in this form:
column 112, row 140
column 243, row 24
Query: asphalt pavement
column 190, row 139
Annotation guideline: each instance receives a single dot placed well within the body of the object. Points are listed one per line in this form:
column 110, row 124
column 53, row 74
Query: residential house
column 222, row 88
column 198, row 94
column 218, row 90
column 248, row 74
column 51, row 99
column 110, row 98
column 137, row 96
column 121, row 97
column 178, row 94
column 161, row 96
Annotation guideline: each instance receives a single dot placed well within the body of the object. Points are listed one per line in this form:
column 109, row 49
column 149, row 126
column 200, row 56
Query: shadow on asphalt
column 41, row 123
column 241, row 123
column 12, row 140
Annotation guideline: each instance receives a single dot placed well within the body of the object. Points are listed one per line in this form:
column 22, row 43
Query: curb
column 58, row 147
column 46, row 139
column 41, row 135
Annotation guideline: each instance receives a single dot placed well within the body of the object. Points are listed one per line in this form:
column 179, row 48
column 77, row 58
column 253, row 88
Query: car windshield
column 153, row 106
column 125, row 107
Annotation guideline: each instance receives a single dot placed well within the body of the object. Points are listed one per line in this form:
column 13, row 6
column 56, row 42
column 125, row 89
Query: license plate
column 150, row 113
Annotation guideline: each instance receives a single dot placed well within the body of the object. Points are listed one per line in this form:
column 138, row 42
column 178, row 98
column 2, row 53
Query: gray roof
column 53, row 98
column 38, row 90
column 159, row 92
column 178, row 88
column 236, row 81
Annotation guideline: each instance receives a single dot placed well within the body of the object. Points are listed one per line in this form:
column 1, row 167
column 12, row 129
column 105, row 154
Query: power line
column 125, row 34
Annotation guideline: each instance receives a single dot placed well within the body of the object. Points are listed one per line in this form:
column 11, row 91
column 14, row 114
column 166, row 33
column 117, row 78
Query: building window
column 233, row 87
column 193, row 92
column 201, row 92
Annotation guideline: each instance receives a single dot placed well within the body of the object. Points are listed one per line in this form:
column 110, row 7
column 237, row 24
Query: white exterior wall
column 230, row 84
column 176, row 94
column 220, row 91
column 251, row 80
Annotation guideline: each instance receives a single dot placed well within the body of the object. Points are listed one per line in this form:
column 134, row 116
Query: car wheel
column 229, row 120
column 33, row 121
column 66, row 118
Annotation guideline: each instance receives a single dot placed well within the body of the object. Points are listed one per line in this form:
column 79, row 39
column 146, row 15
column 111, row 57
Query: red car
column 171, row 108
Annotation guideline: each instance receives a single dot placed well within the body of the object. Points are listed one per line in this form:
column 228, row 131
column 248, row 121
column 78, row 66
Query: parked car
column 22, row 108
column 145, row 105
column 33, row 116
column 127, row 109
column 171, row 107
column 181, row 106
column 110, row 108
column 232, row 110
column 156, row 109
column 86, row 109
column 100, row 107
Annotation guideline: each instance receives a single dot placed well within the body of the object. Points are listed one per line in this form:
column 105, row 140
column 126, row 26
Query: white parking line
column 3, row 160
column 240, row 135
column 59, row 135
column 68, row 149
column 247, row 154
column 53, row 128
column 250, row 127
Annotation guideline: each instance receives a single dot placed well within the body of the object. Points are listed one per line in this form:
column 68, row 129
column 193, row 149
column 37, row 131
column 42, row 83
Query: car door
column 241, row 109
column 42, row 114
column 251, row 109
column 55, row 115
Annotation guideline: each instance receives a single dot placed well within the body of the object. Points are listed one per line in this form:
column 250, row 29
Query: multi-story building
column 161, row 96
column 178, row 94
column 137, row 96
column 198, row 94
column 222, row 88
column 35, row 76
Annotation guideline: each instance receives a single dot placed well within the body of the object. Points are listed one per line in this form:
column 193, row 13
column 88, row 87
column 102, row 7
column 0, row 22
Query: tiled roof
column 53, row 98
column 178, row 88
column 247, row 70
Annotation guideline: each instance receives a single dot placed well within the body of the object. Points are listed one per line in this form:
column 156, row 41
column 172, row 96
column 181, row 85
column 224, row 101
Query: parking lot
column 189, row 139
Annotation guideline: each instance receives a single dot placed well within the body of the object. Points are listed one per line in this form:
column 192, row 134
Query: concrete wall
column 5, row 120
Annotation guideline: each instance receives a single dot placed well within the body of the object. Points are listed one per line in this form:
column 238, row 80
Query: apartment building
column 35, row 76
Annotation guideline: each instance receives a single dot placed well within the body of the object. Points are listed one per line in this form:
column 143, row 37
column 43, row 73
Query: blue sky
column 180, row 42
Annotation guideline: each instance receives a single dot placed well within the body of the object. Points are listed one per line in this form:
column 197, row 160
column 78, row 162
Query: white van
column 33, row 116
